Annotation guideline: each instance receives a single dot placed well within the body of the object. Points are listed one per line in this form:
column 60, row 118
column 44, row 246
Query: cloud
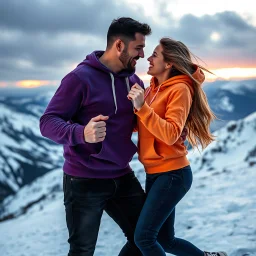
column 234, row 47
column 92, row 17
column 43, row 39
column 30, row 54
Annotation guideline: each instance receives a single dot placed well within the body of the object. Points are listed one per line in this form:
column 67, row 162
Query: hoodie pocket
column 147, row 152
column 170, row 151
column 116, row 153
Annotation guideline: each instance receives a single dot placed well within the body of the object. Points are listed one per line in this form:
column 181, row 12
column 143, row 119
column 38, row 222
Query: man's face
column 132, row 52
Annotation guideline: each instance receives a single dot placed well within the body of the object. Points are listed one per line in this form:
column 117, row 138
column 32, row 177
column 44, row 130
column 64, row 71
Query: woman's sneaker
column 215, row 254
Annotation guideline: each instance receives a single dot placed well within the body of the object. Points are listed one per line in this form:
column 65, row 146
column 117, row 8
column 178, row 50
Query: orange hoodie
column 161, row 121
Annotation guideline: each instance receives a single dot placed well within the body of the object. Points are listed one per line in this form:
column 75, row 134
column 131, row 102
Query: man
column 92, row 117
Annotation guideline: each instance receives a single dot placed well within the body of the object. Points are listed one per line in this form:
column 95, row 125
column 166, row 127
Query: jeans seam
column 72, row 205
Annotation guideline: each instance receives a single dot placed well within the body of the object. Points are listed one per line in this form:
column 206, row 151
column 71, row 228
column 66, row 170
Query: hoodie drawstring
column 147, row 93
column 127, row 84
column 114, row 90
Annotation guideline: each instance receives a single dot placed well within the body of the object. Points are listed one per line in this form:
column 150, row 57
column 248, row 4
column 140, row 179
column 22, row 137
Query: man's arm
column 135, row 128
column 62, row 107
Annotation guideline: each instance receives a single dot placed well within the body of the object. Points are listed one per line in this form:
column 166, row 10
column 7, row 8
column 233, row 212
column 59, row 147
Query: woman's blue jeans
column 154, row 234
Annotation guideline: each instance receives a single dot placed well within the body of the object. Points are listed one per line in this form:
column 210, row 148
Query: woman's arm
column 169, row 128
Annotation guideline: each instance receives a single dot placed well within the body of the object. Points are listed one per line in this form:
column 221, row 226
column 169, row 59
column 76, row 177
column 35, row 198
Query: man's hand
column 184, row 133
column 95, row 130
column 136, row 94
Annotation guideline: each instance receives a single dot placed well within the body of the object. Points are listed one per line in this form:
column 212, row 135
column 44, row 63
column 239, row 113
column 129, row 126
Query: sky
column 42, row 40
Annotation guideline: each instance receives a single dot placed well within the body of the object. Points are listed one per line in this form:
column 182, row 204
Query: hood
column 93, row 61
column 154, row 87
column 198, row 75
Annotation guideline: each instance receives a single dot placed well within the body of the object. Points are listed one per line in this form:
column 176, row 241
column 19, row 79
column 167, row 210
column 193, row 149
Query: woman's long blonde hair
column 200, row 115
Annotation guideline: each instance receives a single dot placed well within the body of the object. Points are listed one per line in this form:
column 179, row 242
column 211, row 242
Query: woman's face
column 157, row 65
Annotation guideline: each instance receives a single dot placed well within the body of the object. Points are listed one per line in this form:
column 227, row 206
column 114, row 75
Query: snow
column 22, row 143
column 14, row 165
column 19, row 120
column 21, row 101
column 233, row 142
column 218, row 213
column 35, row 109
column 225, row 104
column 237, row 87
column 6, row 140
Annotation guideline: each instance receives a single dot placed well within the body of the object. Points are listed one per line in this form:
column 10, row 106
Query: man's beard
column 127, row 64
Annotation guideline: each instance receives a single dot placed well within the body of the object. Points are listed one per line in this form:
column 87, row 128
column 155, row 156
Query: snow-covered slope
column 219, row 212
column 235, row 143
column 24, row 153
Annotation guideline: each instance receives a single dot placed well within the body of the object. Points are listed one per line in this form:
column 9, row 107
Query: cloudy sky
column 42, row 40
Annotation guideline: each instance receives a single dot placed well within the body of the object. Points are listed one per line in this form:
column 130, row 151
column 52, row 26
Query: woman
column 173, row 101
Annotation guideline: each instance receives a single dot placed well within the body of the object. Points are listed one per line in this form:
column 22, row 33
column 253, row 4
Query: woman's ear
column 168, row 65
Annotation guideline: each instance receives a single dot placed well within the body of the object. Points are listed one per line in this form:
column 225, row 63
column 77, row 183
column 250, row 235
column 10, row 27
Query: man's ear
column 119, row 45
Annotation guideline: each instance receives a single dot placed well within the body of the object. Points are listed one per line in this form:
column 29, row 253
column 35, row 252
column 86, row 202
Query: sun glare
column 215, row 36
column 232, row 73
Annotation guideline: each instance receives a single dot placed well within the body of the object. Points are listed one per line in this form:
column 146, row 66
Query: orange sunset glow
column 232, row 73
column 222, row 73
column 34, row 83
column 3, row 84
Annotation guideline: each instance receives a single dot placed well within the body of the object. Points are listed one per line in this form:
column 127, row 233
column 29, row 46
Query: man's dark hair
column 125, row 28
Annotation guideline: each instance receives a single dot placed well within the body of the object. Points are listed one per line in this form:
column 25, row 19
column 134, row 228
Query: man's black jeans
column 86, row 198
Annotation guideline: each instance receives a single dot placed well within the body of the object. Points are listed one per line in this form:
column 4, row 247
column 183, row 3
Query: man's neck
column 111, row 62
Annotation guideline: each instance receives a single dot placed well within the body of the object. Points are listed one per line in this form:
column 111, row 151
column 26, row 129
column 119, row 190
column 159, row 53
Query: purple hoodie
column 89, row 90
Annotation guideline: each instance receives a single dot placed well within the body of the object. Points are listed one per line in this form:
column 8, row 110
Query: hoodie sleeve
column 168, row 129
column 135, row 128
column 62, row 107
column 140, row 82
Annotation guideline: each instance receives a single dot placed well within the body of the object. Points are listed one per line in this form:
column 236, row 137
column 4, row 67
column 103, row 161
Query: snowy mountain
column 219, row 212
column 236, row 140
column 231, row 100
column 24, row 153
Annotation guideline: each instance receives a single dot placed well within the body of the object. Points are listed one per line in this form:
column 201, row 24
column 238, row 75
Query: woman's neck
column 163, row 77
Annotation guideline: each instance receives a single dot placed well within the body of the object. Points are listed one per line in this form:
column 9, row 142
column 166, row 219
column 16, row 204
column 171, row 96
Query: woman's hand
column 136, row 94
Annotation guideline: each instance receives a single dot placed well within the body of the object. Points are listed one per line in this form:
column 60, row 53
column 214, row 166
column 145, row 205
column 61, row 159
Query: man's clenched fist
column 95, row 130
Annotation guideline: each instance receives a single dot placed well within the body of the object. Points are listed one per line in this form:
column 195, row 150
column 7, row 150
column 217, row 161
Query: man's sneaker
column 215, row 254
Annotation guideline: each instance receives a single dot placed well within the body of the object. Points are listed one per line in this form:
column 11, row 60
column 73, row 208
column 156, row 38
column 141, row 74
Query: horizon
column 19, row 91
column 44, row 84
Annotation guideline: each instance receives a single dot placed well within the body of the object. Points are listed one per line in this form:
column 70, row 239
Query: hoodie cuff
column 79, row 135
column 144, row 111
